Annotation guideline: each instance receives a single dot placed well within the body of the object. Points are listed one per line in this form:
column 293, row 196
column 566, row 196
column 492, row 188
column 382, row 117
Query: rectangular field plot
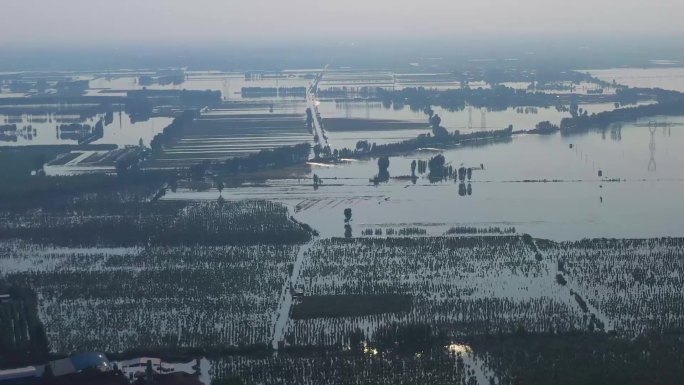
column 321, row 306
column 467, row 285
column 636, row 284
column 160, row 223
column 152, row 298
column 221, row 134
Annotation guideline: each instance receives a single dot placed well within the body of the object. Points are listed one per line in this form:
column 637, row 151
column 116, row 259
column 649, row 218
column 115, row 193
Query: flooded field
column 665, row 78
column 229, row 83
column 44, row 129
column 221, row 134
column 466, row 120
column 521, row 185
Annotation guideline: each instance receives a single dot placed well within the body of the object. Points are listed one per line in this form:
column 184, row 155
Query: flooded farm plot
column 668, row 78
column 165, row 223
column 569, row 200
column 347, row 122
column 169, row 275
column 635, row 283
column 230, row 84
column 370, row 367
column 469, row 285
column 52, row 128
column 154, row 297
column 222, row 134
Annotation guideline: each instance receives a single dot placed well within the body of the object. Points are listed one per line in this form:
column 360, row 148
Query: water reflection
column 456, row 348
column 652, row 147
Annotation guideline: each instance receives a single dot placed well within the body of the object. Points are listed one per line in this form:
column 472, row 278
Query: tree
column 199, row 170
column 435, row 121
column 347, row 214
column 317, row 151
column 413, row 168
column 39, row 162
column 437, row 130
column 436, row 166
column 383, row 164
column 219, row 186
column 309, row 118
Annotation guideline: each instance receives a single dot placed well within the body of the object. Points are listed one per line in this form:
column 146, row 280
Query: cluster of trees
column 22, row 337
column 544, row 127
column 583, row 122
column 276, row 157
column 581, row 358
column 165, row 223
column 632, row 283
column 424, row 141
column 208, row 299
column 139, row 104
column 362, row 365
column 309, row 118
column 440, row 273
column 497, row 98
column 173, row 132
column 437, row 168
column 129, row 161
column 480, row 230
column 383, row 173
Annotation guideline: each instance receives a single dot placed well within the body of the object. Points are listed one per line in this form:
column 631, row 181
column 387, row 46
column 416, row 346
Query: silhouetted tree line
column 266, row 158
column 47, row 191
column 139, row 104
column 173, row 132
column 670, row 105
column 162, row 223
column 424, row 141
column 544, row 127
column 276, row 157
column 497, row 98
column 582, row 358
column 22, row 336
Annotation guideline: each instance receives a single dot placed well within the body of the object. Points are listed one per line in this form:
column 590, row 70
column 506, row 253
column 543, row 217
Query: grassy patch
column 321, row 306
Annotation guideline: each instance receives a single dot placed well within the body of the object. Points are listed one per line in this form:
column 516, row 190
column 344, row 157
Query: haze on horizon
column 41, row 22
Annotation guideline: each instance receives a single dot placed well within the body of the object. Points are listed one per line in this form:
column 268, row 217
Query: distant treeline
column 258, row 92
column 670, row 105
column 277, row 157
column 139, row 104
column 497, row 98
column 162, row 223
column 424, row 141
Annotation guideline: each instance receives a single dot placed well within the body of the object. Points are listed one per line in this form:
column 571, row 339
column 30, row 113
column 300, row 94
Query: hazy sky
column 47, row 21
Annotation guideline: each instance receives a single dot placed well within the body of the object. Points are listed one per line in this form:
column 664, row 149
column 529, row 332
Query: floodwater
column 42, row 129
column 230, row 84
column 466, row 120
column 670, row 78
column 537, row 184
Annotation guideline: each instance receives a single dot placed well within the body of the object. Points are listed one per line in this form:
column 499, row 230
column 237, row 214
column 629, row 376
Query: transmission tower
column 483, row 118
column 651, row 146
